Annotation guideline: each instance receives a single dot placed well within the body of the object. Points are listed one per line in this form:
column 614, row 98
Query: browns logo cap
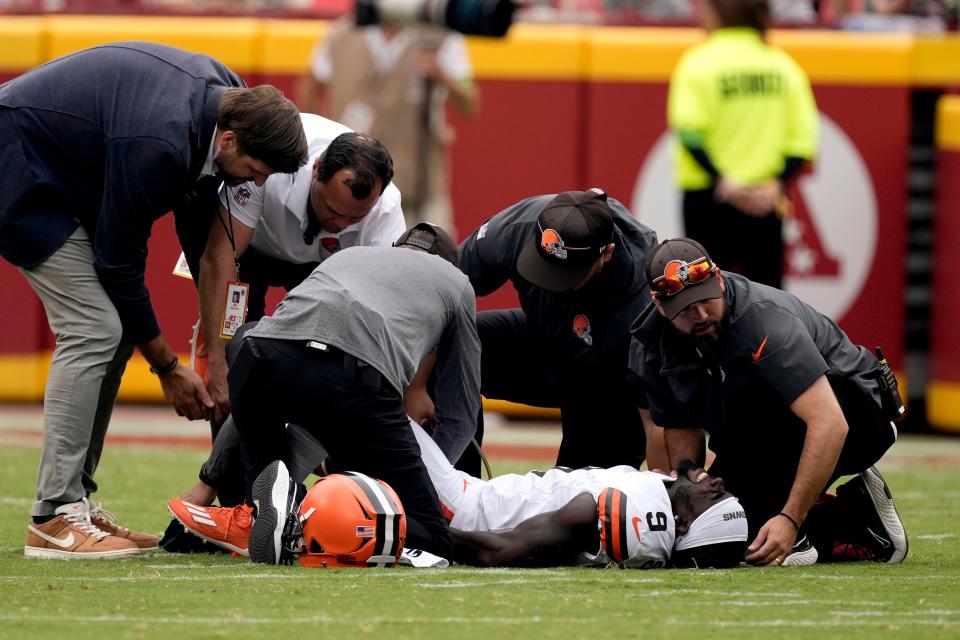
column 673, row 259
column 572, row 231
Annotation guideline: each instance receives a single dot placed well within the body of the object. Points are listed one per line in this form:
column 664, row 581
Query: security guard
column 789, row 402
column 746, row 122
column 576, row 262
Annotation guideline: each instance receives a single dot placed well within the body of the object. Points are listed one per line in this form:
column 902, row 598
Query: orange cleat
column 228, row 528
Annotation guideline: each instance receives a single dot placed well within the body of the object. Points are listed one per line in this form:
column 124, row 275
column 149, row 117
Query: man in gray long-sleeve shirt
column 336, row 357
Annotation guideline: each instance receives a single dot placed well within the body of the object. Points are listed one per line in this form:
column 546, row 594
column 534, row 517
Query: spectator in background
column 917, row 16
column 746, row 122
column 392, row 82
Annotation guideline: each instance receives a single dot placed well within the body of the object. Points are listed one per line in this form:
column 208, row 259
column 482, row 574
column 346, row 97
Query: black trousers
column 758, row 450
column 223, row 468
column 735, row 241
column 350, row 408
column 601, row 424
column 262, row 272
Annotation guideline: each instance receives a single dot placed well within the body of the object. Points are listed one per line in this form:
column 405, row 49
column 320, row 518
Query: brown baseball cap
column 430, row 238
column 673, row 258
column 571, row 233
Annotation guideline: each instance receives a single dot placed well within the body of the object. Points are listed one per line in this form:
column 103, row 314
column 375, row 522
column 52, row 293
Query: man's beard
column 710, row 343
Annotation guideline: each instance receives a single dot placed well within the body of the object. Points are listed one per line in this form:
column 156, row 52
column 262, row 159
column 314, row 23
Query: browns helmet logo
column 581, row 328
column 330, row 243
column 552, row 243
column 678, row 269
column 241, row 195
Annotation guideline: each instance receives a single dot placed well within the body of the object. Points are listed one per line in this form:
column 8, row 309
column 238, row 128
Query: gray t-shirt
column 390, row 307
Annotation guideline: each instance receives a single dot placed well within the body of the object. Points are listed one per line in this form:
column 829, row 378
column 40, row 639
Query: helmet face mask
column 352, row 520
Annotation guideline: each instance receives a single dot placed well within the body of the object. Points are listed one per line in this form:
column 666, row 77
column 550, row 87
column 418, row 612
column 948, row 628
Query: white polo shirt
column 278, row 209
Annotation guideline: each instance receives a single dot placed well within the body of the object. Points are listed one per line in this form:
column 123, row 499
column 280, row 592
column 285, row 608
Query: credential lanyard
column 235, row 309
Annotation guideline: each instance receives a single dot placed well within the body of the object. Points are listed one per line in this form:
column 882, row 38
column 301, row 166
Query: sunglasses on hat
column 679, row 274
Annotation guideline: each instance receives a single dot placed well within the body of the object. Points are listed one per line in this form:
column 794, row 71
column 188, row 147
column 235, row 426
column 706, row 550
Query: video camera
column 471, row 17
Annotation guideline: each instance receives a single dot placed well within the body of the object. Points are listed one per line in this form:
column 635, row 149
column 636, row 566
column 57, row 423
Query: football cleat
column 878, row 526
column 228, row 528
column 421, row 559
column 276, row 536
column 803, row 553
column 177, row 539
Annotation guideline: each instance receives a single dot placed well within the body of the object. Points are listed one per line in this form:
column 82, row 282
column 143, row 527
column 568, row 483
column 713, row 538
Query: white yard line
column 153, row 578
column 219, row 621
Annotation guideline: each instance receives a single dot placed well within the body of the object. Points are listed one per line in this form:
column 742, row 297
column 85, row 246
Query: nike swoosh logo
column 636, row 529
column 756, row 354
column 65, row 543
column 882, row 541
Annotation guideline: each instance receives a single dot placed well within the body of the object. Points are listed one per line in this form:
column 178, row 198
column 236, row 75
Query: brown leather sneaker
column 107, row 521
column 72, row 535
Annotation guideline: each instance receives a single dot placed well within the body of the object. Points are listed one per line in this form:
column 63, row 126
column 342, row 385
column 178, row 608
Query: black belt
column 353, row 367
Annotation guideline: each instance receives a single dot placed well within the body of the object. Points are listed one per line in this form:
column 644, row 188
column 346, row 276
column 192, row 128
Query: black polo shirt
column 769, row 335
column 555, row 321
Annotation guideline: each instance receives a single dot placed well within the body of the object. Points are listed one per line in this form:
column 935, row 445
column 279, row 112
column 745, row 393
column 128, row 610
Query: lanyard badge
column 235, row 310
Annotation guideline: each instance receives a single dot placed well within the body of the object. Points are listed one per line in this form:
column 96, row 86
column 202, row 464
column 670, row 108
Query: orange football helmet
column 352, row 520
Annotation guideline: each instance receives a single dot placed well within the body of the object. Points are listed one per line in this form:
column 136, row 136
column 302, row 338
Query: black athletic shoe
column 178, row 540
column 277, row 534
column 802, row 553
column 879, row 528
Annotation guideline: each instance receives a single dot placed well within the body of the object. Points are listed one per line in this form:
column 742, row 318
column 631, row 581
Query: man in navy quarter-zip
column 95, row 146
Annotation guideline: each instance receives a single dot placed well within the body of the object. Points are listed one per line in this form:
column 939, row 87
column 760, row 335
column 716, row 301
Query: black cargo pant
column 346, row 405
column 600, row 421
column 758, row 450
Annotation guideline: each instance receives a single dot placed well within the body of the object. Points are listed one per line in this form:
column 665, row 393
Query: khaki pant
column 85, row 372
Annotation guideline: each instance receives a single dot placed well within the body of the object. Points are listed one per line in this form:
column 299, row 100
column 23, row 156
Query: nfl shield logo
column 241, row 195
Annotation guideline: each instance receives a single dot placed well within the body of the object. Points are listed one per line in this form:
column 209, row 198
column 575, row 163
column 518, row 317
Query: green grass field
column 166, row 596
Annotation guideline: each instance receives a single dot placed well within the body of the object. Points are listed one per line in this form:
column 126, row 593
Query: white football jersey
column 635, row 516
